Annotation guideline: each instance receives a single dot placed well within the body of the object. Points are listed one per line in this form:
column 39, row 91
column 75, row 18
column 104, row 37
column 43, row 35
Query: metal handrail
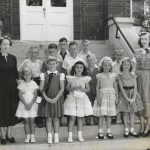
column 118, row 29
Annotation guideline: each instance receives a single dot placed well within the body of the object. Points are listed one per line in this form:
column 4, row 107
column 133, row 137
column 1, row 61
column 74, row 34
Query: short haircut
column 52, row 45
column 51, row 59
column 131, row 66
column 85, row 41
column 63, row 39
column 6, row 38
column 73, row 43
column 33, row 47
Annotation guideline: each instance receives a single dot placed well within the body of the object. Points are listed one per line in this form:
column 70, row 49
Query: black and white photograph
column 75, row 74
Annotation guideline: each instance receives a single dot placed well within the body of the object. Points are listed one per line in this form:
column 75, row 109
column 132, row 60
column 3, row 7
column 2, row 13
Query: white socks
column 80, row 136
column 70, row 140
column 33, row 138
column 56, row 138
column 50, row 139
column 27, row 140
column 100, row 131
column 108, row 130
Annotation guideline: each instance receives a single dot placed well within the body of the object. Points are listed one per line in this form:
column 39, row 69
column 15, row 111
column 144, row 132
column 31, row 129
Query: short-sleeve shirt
column 69, row 62
column 35, row 66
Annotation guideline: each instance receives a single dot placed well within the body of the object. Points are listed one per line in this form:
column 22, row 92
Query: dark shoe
column 3, row 141
column 126, row 134
column 100, row 136
column 110, row 136
column 134, row 134
column 148, row 148
column 145, row 134
column 10, row 140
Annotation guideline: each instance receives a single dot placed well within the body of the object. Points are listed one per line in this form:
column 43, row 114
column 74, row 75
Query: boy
column 85, row 51
column 71, row 59
column 63, row 45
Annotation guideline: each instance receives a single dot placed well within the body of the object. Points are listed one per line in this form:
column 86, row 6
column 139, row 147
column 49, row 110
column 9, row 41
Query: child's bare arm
column 122, row 91
column 21, row 98
column 116, row 90
column 98, row 92
column 86, row 89
column 135, row 89
column 34, row 99
column 42, row 82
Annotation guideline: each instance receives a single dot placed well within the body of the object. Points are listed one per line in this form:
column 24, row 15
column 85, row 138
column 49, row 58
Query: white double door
column 46, row 22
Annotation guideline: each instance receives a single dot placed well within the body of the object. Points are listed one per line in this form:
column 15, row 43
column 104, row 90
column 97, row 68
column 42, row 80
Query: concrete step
column 99, row 48
column 116, row 144
column 89, row 132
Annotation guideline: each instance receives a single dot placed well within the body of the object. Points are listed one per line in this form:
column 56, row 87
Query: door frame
column 71, row 20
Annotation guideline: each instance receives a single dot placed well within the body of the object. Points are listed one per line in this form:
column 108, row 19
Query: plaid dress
column 128, row 86
column 107, row 96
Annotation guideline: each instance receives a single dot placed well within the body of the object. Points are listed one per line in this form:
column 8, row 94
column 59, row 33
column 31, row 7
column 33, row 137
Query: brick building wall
column 118, row 8
column 88, row 19
column 88, row 16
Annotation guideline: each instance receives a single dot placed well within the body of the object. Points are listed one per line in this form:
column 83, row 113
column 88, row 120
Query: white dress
column 77, row 102
column 28, row 94
column 107, row 96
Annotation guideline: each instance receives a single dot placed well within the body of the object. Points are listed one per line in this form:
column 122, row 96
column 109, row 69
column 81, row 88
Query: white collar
column 4, row 54
column 55, row 72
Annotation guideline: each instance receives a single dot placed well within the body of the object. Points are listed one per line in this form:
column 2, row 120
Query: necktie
column 49, row 81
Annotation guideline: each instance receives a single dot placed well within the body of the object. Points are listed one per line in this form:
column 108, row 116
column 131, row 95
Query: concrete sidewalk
column 116, row 144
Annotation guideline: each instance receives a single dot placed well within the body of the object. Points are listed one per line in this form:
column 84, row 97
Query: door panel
column 48, row 20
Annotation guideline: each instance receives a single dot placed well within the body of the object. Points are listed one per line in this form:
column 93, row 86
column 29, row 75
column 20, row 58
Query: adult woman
column 143, row 71
column 8, row 91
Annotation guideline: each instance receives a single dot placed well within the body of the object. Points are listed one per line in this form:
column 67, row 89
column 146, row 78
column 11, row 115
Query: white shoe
column 33, row 139
column 81, row 139
column 49, row 141
column 27, row 140
column 70, row 140
column 56, row 140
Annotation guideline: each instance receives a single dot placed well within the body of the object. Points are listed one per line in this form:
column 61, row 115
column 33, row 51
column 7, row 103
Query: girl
column 143, row 81
column 52, row 88
column 129, row 100
column 107, row 96
column 92, row 72
column 27, row 107
column 52, row 52
column 36, row 66
column 77, row 103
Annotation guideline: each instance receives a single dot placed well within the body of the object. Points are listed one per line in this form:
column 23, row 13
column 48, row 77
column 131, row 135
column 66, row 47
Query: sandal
column 110, row 136
column 100, row 136
column 126, row 134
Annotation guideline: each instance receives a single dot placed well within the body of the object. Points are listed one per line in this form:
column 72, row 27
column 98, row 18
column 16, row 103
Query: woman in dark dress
column 8, row 91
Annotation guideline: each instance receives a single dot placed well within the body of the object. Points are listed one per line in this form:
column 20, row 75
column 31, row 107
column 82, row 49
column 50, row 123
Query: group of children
column 75, row 85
